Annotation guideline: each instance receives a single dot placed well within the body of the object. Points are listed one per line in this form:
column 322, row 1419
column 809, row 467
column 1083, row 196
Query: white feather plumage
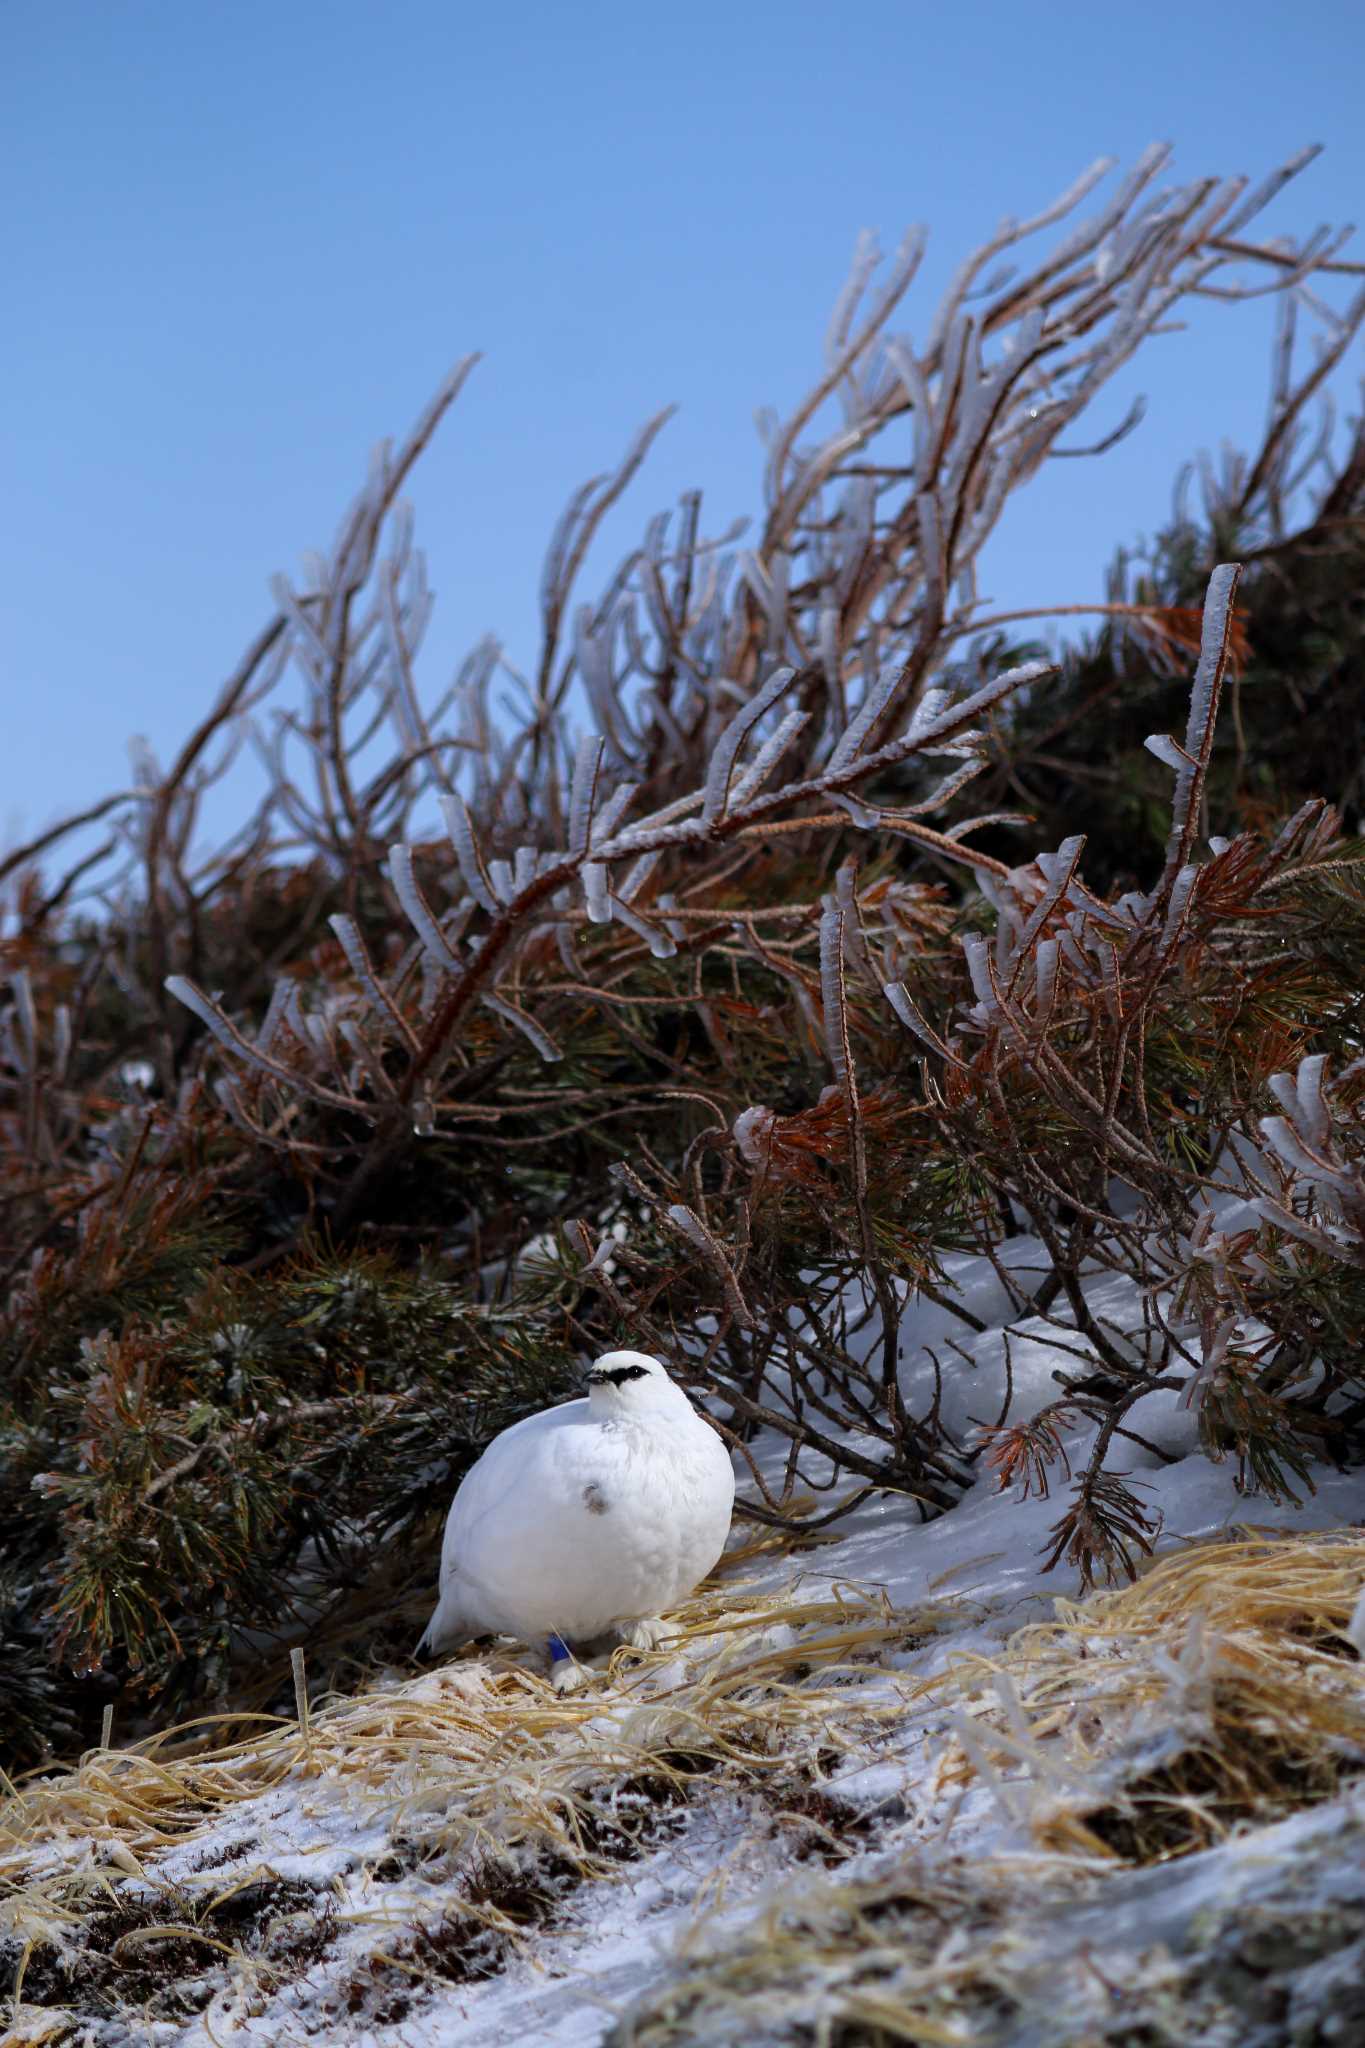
column 588, row 1519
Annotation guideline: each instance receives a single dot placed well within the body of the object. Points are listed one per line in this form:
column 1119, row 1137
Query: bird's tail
column 446, row 1631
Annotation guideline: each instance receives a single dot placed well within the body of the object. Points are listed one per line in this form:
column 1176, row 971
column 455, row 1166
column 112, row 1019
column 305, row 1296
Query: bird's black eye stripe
column 622, row 1374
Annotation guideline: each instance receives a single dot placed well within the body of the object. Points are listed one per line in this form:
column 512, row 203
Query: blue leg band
column 559, row 1650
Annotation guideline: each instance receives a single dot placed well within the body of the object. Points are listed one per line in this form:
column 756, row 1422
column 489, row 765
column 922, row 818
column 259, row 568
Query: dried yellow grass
column 830, row 1963
column 1236, row 1648
column 476, row 1762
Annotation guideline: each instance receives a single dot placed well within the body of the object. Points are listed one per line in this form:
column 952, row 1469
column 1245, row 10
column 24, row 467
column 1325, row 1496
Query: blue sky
column 243, row 241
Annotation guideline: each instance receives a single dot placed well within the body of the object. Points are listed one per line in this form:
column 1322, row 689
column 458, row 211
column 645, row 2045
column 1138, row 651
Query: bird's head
column 630, row 1382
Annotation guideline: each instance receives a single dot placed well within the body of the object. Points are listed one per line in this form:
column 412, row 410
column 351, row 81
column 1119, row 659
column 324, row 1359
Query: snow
column 965, row 1583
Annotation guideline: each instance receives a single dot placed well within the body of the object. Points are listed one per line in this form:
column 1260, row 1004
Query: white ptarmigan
column 587, row 1520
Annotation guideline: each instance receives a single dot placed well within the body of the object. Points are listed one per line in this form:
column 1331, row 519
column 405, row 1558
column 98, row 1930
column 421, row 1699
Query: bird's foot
column 566, row 1673
column 642, row 1635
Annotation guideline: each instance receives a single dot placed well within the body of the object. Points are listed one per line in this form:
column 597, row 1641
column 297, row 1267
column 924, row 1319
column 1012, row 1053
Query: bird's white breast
column 569, row 1524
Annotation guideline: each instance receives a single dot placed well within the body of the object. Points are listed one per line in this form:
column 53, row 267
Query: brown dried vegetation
column 714, row 1007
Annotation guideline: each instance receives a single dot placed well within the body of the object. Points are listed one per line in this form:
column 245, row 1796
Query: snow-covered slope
column 882, row 1773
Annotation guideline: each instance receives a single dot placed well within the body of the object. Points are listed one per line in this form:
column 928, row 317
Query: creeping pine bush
column 685, row 987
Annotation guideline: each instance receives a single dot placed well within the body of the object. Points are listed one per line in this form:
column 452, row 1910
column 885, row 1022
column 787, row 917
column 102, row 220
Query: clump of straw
column 1220, row 1689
